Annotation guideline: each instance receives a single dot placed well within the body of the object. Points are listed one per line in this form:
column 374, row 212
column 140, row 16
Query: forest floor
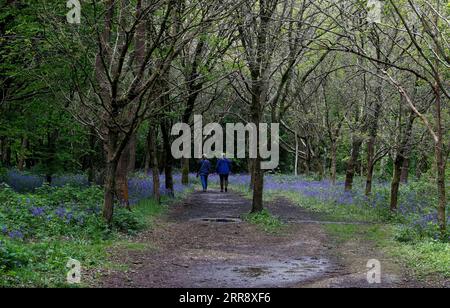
column 202, row 242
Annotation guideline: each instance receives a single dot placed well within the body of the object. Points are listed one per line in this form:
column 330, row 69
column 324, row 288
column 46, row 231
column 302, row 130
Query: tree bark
column 405, row 170
column 251, row 172
column 440, row 162
column 399, row 161
column 108, row 205
column 154, row 163
column 91, row 164
column 370, row 164
column 351, row 165
column 132, row 153
column 50, row 156
column 22, row 155
column 185, row 171
column 168, row 160
column 258, row 174
column 122, row 176
column 296, row 154
column 395, row 186
column 333, row 163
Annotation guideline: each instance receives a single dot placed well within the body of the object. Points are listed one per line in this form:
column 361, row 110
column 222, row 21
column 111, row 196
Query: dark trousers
column 204, row 180
column 223, row 182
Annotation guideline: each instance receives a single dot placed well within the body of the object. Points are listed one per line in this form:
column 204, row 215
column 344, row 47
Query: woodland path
column 202, row 243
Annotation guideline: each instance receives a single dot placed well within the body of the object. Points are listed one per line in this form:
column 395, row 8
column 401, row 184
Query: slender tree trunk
column 251, row 172
column 22, row 155
column 352, row 163
column 6, row 152
column 441, row 163
column 132, row 154
column 399, row 161
column 50, row 156
column 108, row 205
column 154, row 164
column 91, row 164
column 370, row 164
column 147, row 163
column 296, row 153
column 168, row 160
column 395, row 186
column 257, row 205
column 333, row 162
column 319, row 168
column 405, row 170
column 258, row 173
column 185, row 171
column 374, row 118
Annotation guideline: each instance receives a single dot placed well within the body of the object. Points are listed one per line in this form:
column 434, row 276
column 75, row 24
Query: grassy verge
column 265, row 221
column 427, row 259
column 40, row 260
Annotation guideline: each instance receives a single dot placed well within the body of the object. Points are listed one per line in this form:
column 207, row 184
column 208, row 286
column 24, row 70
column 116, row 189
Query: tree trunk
column 351, row 165
column 185, row 171
column 334, row 163
column 132, row 154
column 50, row 156
column 6, row 152
column 373, row 118
column 22, row 155
column 399, row 161
column 405, row 170
column 395, row 187
column 147, row 163
column 251, row 172
column 154, row 164
column 168, row 160
column 370, row 164
column 257, row 205
column 296, row 154
column 258, row 173
column 319, row 168
column 122, row 177
column 442, row 217
column 91, row 164
column 441, row 163
column 108, row 205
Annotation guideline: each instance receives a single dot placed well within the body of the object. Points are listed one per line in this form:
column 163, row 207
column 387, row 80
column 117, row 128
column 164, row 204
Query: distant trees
column 352, row 95
column 134, row 43
column 413, row 43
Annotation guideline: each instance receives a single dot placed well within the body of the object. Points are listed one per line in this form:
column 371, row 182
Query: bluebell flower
column 61, row 212
column 16, row 234
column 37, row 211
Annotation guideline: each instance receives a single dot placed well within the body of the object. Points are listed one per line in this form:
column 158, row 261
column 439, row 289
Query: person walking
column 204, row 171
column 223, row 169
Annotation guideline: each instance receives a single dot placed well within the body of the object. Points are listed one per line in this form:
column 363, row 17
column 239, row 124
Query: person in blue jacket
column 223, row 170
column 204, row 171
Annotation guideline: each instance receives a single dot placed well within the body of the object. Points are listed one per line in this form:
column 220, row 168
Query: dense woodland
column 354, row 97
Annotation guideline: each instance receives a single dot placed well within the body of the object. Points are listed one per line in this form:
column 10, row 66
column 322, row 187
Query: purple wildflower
column 37, row 211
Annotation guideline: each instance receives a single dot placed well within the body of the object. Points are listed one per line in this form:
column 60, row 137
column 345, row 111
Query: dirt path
column 202, row 244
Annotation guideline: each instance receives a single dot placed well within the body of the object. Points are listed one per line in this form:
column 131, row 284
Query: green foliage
column 12, row 255
column 3, row 172
column 127, row 221
column 68, row 212
column 426, row 258
column 265, row 220
column 40, row 232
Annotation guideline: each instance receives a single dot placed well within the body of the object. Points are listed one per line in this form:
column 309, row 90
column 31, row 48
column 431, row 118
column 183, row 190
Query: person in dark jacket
column 223, row 170
column 204, row 171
